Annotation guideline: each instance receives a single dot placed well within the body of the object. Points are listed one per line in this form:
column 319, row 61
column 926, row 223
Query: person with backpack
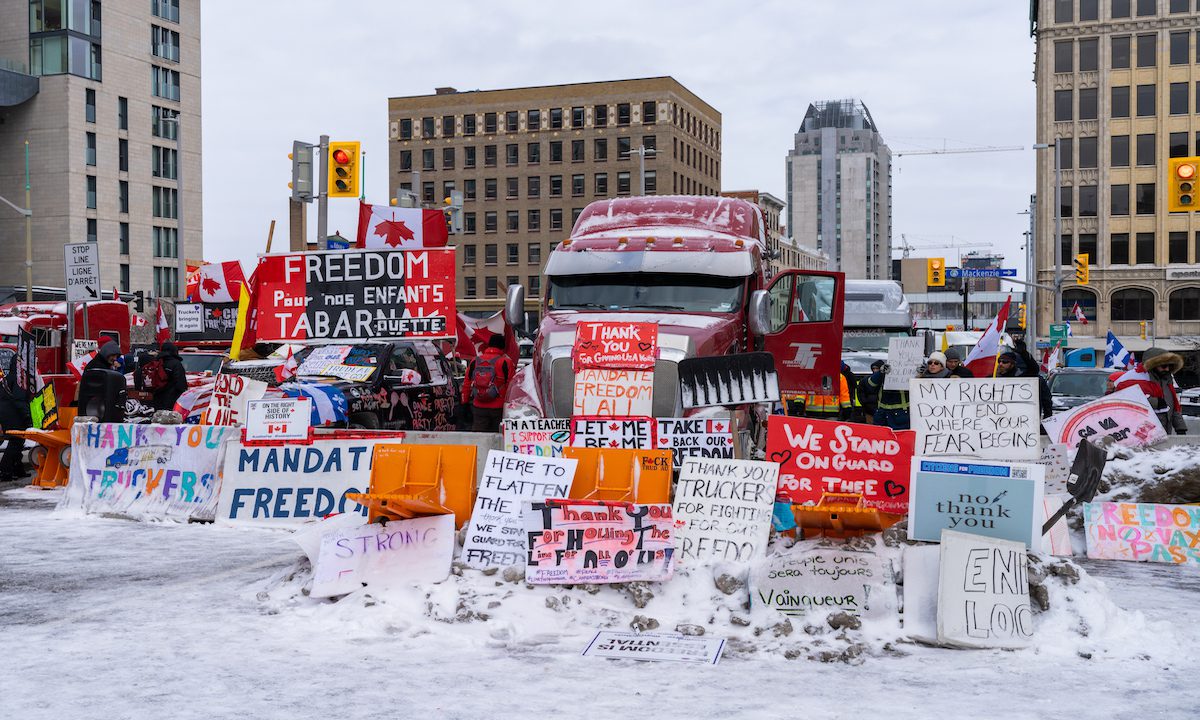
column 486, row 385
column 168, row 383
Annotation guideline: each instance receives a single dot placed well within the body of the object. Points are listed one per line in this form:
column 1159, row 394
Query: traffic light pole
column 1058, row 278
column 323, row 194
column 966, row 282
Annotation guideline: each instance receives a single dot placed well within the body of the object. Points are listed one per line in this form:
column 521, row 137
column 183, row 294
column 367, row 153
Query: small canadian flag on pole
column 136, row 320
column 1078, row 313
column 287, row 370
column 162, row 331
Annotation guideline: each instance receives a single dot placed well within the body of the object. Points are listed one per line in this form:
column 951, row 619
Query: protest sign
column 728, row 380
column 26, row 362
column 991, row 418
column 618, row 345
column 1123, row 417
column 145, row 471
column 289, row 485
column 1058, row 540
column 544, row 437
column 380, row 556
column 1143, row 532
column 824, row 580
column 581, row 541
column 43, row 409
column 613, row 432
column 230, row 393
column 496, row 535
column 621, row 393
column 1056, row 459
column 906, row 358
column 921, row 569
column 655, row 646
column 83, row 348
column 356, row 295
column 725, row 509
column 285, row 419
column 321, row 358
column 205, row 321
column 983, row 592
column 821, row 456
column 695, row 437
column 996, row 500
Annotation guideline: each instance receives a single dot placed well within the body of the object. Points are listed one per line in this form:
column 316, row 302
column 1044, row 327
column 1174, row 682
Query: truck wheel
column 364, row 421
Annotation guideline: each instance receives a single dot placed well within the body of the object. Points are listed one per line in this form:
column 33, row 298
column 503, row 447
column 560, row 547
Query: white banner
column 994, row 418
column 983, row 592
column 1123, row 417
column 545, row 437
column 289, row 419
column 381, row 556
column 906, row 357
column 230, row 393
column 696, row 437
column 823, row 581
column 725, row 507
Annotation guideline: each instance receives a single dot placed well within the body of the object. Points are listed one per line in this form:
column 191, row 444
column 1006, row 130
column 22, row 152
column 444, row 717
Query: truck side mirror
column 760, row 313
column 514, row 306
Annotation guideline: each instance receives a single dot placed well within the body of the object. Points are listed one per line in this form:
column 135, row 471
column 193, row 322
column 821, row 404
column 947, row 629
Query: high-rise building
column 107, row 95
column 528, row 160
column 839, row 189
column 1118, row 94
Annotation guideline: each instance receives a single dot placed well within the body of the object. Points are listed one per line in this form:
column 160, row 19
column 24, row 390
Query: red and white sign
column 393, row 228
column 617, row 345
column 356, row 295
column 821, row 456
column 613, row 432
column 696, row 438
column 599, row 391
column 216, row 282
column 289, row 419
column 1124, row 417
column 230, row 393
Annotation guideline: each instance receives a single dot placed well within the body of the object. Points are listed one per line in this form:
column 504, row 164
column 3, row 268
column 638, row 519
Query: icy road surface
column 107, row 618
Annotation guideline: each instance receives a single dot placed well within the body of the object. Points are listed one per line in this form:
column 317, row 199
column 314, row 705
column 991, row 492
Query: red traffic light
column 1185, row 171
column 341, row 157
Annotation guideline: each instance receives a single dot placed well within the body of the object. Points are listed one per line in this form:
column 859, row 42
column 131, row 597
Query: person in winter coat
column 165, row 397
column 1155, row 376
column 955, row 365
column 1006, row 366
column 892, row 409
column 107, row 358
column 486, row 384
column 935, row 366
column 868, row 395
column 14, row 415
column 1027, row 365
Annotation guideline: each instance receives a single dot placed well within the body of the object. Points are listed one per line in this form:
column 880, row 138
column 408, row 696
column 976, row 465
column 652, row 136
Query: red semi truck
column 106, row 320
column 695, row 266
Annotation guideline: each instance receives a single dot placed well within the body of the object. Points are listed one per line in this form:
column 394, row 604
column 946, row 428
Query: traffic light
column 1181, row 183
column 139, row 301
column 1021, row 316
column 1143, row 324
column 1081, row 268
column 453, row 211
column 343, row 169
column 302, row 171
column 935, row 272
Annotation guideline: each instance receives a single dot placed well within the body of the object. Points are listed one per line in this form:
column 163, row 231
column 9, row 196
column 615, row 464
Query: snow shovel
column 1087, row 469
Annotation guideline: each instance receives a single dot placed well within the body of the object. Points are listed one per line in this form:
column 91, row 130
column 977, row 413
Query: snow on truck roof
column 671, row 216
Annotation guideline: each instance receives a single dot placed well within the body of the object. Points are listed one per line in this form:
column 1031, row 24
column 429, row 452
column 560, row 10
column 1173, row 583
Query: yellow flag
column 243, row 316
column 945, row 341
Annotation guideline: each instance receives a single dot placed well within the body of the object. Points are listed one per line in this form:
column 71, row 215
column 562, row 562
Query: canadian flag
column 389, row 228
column 1078, row 313
column 1050, row 359
column 136, row 320
column 982, row 359
column 162, row 331
column 77, row 365
column 216, row 282
column 287, row 369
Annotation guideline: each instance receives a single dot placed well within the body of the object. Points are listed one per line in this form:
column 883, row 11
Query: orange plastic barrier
column 51, row 470
column 841, row 515
column 621, row 475
column 410, row 481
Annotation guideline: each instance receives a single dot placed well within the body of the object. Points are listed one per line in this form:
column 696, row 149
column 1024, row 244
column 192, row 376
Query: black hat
column 952, row 354
column 877, row 364
column 497, row 341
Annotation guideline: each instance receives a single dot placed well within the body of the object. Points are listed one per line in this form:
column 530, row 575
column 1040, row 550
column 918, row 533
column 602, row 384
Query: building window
column 489, row 188
column 165, row 202
column 165, row 241
column 1177, row 249
column 575, row 213
column 164, row 43
column 1118, row 249
column 1088, row 104
column 1120, row 9
column 1132, row 305
column 623, row 183
column 1087, row 152
column 1066, row 205
column 92, row 235
column 468, row 255
column 577, row 186
column 448, row 189
column 489, row 286
column 1147, row 8
column 511, row 187
column 1064, row 11
column 123, row 196
column 556, row 219
column 1120, row 101
column 469, row 189
column 428, row 128
column 1180, row 47
column 533, row 221
column 600, row 149
column 512, row 120
column 89, row 105
column 1119, row 200
column 649, row 112
column 534, row 254
column 533, row 153
column 1120, row 52
column 556, row 148
column 576, row 151
column 164, row 83
column 601, row 184
column 1087, row 201
column 1177, row 144
column 447, row 126
column 91, row 192
column 533, row 186
column 469, row 156
column 624, row 146
column 556, row 186
column 406, row 160
column 533, row 120
column 577, row 117
column 166, row 282
column 1145, row 249
column 1089, row 55
column 123, row 238
column 469, row 287
column 1145, row 149
column 535, row 286
column 1179, row 98
column 469, row 226
column 651, row 182
column 164, row 162
column 122, row 113
column 1184, row 304
column 1119, row 150
column 64, row 53
column 1066, row 152
column 1068, row 248
column 1087, row 246
column 1181, row 6
column 1089, row 10
column 556, row 118
column 427, row 192
column 512, row 220
column 1145, row 100
column 469, row 124
column 1147, row 51
column 650, row 142
column 165, row 9
column 512, row 154
column 489, row 225
column 489, row 156
column 1144, row 199
column 124, row 277
column 406, row 129
column 89, row 153
column 600, row 116
column 1064, row 109
column 427, row 159
column 623, row 117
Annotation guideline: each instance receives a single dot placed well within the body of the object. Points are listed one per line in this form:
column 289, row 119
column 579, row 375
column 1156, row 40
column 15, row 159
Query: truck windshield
column 856, row 339
column 646, row 291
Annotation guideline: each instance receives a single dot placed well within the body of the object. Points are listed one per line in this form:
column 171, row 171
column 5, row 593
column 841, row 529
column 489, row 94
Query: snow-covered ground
column 109, row 618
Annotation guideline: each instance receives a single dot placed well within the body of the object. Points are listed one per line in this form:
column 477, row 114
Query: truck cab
column 695, row 266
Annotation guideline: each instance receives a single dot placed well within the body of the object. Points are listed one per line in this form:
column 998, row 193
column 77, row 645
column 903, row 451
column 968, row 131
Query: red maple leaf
column 209, row 286
column 614, row 427
column 216, row 312
column 393, row 232
column 613, row 443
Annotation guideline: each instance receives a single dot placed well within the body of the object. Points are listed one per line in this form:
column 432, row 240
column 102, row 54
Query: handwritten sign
column 695, row 437
column 580, row 541
column 725, row 509
column 824, row 580
column 1058, row 540
column 230, row 393
column 993, row 418
column 613, row 392
column 189, row 319
column 655, row 646
column 906, row 357
column 1124, row 418
column 321, row 358
column 285, row 419
column 496, row 535
column 821, row 456
column 996, row 500
column 381, row 556
column 983, row 592
column 618, row 345
column 544, row 437
column 1143, row 532
column 613, row 432
column 1056, row 460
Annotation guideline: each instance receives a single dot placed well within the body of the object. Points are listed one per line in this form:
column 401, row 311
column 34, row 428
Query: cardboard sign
column 83, row 348
column 983, row 593
column 906, row 358
column 1058, row 540
column 617, row 345
column 230, row 393
column 1124, row 417
column 728, row 380
column 43, row 409
column 695, row 438
column 289, row 485
column 655, row 646
column 189, row 319
column 579, row 541
column 211, row 322
column 993, row 418
column 289, row 419
column 356, row 295
column 544, row 437
column 26, row 362
column 613, row 392
column 725, row 509
column 921, row 570
column 496, row 534
column 145, row 471
column 824, row 580
column 378, row 556
column 321, row 358
column 1056, row 460
column 1143, row 532
column 995, row 500
column 821, row 456
column 613, row 432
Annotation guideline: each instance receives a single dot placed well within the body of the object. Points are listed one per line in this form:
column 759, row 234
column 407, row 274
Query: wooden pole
column 270, row 236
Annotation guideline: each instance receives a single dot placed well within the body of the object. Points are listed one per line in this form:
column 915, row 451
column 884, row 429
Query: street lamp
column 179, row 242
column 27, row 211
column 642, row 151
column 1058, row 281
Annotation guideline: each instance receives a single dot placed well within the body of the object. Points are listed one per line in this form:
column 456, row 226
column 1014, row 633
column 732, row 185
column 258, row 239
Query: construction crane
column 908, row 248
column 952, row 151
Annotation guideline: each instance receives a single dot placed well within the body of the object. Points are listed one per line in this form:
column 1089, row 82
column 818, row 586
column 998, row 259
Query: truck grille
column 562, row 388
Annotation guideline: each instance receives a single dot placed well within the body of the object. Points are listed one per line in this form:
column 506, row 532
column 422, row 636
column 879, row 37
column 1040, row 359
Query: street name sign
column 980, row 272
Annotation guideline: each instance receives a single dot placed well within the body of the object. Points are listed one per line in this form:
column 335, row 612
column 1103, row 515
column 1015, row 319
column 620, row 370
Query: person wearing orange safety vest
column 829, row 407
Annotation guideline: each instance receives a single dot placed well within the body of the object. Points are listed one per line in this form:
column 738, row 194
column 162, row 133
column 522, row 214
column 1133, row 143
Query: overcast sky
column 931, row 72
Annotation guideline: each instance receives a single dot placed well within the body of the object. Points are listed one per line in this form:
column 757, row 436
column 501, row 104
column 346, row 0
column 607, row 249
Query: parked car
column 1071, row 387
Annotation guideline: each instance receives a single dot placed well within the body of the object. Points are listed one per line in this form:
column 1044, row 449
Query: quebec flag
column 1115, row 354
